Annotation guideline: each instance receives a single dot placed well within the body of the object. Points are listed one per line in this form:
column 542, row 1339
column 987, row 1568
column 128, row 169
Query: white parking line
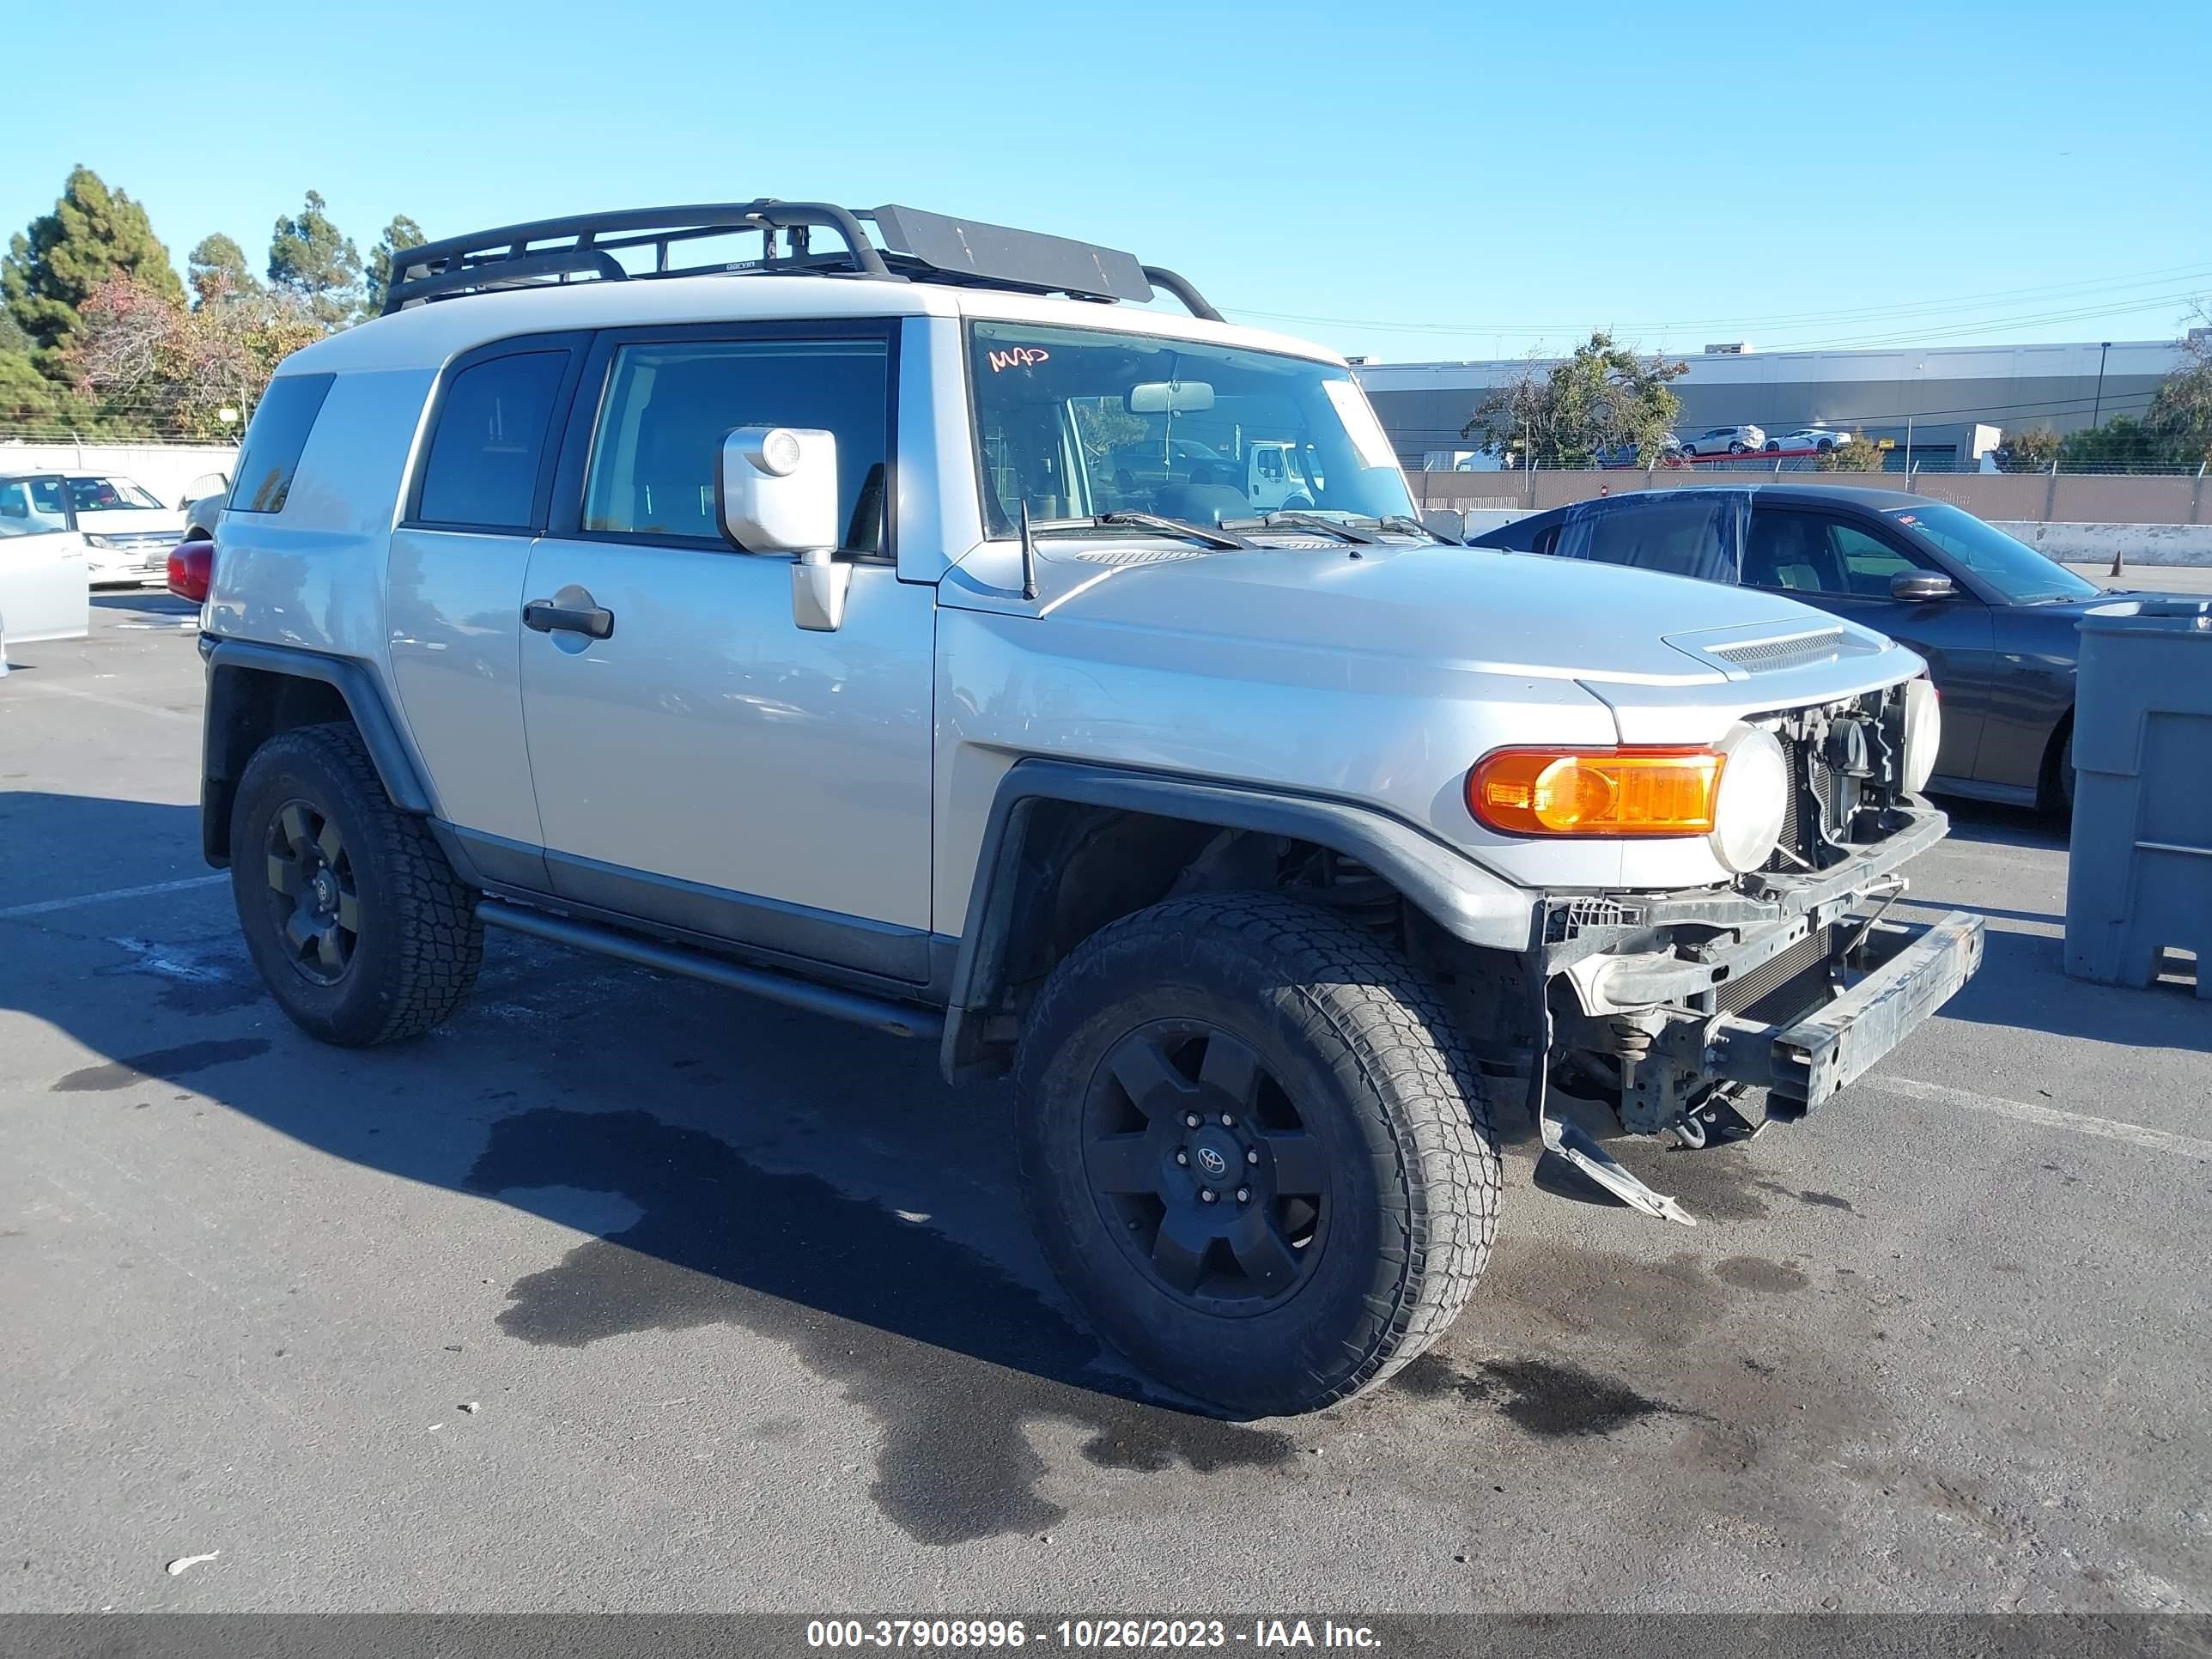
column 159, row 714
column 2048, row 1117
column 46, row 907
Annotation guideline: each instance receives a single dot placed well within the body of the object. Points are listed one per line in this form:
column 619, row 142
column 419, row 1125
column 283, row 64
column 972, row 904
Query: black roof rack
column 915, row 247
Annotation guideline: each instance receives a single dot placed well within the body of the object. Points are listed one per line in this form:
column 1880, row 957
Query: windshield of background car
column 1077, row 421
column 97, row 494
column 2020, row 574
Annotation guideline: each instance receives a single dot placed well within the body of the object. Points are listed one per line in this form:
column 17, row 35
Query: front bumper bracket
column 1909, row 973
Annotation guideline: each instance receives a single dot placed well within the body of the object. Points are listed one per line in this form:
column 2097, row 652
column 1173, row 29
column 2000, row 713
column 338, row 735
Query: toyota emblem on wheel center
column 1211, row 1161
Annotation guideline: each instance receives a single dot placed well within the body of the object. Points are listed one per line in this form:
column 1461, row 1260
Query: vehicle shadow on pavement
column 739, row 1165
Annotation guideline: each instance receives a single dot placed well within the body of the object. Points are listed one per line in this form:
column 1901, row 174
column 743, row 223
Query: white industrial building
column 1952, row 402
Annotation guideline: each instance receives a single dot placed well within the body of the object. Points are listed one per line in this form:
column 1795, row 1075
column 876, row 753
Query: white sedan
column 127, row 531
column 44, row 579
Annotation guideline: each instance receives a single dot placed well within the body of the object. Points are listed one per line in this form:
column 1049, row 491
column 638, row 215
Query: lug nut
column 1207, row 1195
column 1243, row 1195
column 1253, row 1156
column 1227, row 1121
column 1182, row 1158
column 1190, row 1120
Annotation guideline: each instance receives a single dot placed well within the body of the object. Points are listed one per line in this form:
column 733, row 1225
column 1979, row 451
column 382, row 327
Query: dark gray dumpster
column 2139, row 878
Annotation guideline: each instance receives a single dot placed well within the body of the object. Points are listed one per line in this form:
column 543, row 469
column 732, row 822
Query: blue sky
column 1408, row 182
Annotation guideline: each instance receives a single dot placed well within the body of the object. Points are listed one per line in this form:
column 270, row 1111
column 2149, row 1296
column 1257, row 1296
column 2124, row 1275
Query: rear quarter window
column 273, row 442
column 482, row 471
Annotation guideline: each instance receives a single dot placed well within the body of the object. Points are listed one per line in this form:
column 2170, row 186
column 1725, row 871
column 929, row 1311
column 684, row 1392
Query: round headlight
column 1754, row 799
column 1923, row 732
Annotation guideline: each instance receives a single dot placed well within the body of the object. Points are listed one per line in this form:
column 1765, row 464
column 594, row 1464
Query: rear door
column 1844, row 564
column 454, row 588
column 707, row 763
column 44, row 592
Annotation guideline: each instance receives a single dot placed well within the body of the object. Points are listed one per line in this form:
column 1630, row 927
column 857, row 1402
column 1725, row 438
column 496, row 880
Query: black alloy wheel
column 1203, row 1169
column 312, row 898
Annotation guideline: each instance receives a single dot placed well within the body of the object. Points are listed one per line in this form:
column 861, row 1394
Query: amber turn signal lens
column 1596, row 792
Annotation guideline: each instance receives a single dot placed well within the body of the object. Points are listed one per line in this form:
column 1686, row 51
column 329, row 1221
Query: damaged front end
column 1670, row 1009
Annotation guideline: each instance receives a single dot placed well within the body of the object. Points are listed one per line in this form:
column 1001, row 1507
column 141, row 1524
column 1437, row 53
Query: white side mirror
column 777, row 488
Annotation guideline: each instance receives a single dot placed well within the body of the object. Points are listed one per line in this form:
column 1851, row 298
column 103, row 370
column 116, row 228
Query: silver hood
column 1465, row 608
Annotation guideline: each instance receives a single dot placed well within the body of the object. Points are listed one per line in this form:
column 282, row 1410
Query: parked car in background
column 1724, row 440
column 1819, row 440
column 127, row 531
column 43, row 572
column 1993, row 617
column 201, row 513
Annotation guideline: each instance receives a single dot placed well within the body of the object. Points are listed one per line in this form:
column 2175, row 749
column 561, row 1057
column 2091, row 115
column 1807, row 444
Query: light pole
column 1917, row 369
column 2097, row 408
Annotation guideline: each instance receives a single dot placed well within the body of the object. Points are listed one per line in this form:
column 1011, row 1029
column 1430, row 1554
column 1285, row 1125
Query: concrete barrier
column 2134, row 543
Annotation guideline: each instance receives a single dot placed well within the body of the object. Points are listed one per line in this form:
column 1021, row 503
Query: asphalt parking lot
column 622, row 1293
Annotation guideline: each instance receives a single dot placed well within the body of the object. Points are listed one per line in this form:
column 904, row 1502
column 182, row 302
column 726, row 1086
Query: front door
column 44, row 578
column 1845, row 565
column 701, row 761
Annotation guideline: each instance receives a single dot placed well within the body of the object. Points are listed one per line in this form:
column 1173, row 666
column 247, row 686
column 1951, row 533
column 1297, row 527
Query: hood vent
column 1784, row 651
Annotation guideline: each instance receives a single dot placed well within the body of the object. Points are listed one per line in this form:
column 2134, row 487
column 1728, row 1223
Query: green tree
column 1857, row 453
column 312, row 262
column 402, row 233
column 53, row 267
column 2124, row 444
column 2180, row 412
column 217, row 265
column 2031, row 450
column 1603, row 400
column 30, row 403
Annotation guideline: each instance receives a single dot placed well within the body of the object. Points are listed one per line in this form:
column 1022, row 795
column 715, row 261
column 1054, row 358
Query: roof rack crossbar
column 915, row 247
column 493, row 258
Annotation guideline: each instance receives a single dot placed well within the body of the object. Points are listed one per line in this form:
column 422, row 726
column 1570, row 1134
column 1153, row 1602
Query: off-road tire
column 419, row 942
column 1369, row 1055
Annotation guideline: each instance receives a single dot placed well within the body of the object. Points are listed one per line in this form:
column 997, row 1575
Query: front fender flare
column 1468, row 901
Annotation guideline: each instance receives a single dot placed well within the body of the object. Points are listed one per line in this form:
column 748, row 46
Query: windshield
column 1080, row 422
column 109, row 495
column 2020, row 574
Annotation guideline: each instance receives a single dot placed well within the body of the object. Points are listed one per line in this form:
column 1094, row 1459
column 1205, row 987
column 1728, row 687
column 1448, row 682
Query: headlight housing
column 1596, row 791
column 1754, row 799
column 102, row 541
column 1923, row 732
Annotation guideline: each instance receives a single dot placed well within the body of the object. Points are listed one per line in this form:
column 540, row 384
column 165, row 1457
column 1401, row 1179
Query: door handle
column 547, row 616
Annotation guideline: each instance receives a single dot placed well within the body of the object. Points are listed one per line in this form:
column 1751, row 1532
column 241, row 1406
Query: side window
column 1683, row 537
column 1270, row 463
column 23, row 515
column 1814, row 553
column 482, row 466
column 274, row 440
column 670, row 402
column 1870, row 564
column 1792, row 551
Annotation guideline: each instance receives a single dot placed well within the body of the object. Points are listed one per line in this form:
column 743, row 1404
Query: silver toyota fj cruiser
column 913, row 631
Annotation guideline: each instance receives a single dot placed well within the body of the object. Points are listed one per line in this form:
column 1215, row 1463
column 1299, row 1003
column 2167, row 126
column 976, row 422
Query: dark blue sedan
column 1993, row 617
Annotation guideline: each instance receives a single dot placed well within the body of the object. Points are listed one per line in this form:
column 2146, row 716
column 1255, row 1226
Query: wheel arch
column 2049, row 788
column 256, row 691
column 1069, row 848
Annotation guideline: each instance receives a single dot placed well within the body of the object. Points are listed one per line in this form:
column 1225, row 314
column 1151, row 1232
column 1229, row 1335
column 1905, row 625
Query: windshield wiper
column 1177, row 527
column 1400, row 521
column 1336, row 527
